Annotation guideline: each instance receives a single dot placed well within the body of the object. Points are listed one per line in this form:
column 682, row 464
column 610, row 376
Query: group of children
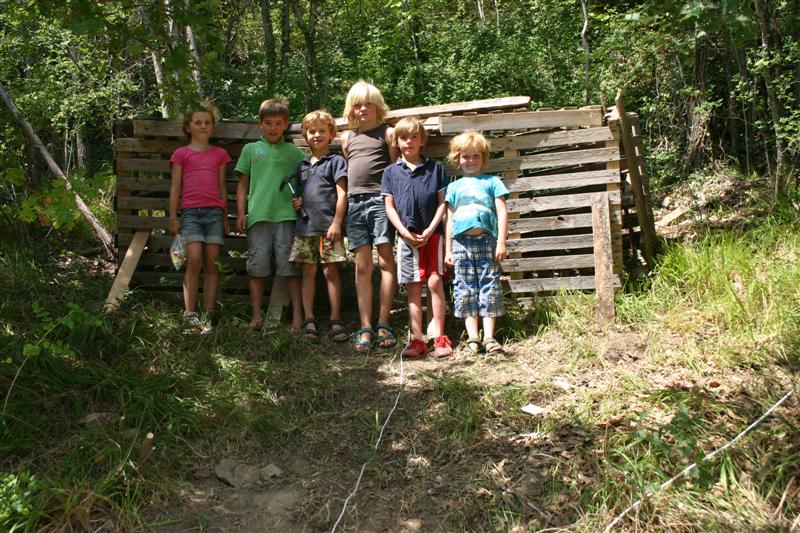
column 296, row 211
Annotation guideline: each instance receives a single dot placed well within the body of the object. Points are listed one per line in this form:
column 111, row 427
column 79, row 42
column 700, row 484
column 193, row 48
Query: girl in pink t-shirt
column 198, row 185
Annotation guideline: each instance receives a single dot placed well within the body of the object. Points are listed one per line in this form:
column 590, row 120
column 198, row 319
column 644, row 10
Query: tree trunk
column 286, row 34
column 158, row 65
column 101, row 233
column 269, row 43
column 586, row 50
column 309, row 31
column 764, row 15
column 698, row 152
column 192, row 43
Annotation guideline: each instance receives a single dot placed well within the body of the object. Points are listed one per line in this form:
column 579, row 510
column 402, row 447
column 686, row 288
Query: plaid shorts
column 476, row 290
column 317, row 250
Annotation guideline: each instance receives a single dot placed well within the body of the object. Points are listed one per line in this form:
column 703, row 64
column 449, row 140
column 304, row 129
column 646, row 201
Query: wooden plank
column 126, row 270
column 158, row 184
column 160, row 166
column 552, row 223
column 639, row 193
column 603, row 259
column 157, row 242
column 560, row 262
column 512, row 121
column 170, row 279
column 559, row 243
column 135, row 202
column 535, row 285
column 507, row 102
column 561, row 201
column 239, row 131
column 561, row 181
column 549, row 160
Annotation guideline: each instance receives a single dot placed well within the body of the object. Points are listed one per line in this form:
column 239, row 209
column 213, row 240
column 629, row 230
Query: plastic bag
column 177, row 252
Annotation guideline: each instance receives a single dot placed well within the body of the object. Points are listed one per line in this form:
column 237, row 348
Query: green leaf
column 31, row 350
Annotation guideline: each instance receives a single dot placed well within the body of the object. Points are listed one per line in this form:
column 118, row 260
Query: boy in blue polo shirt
column 413, row 189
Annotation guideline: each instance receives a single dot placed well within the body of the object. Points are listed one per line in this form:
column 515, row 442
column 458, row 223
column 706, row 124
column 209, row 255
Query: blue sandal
column 360, row 344
column 388, row 340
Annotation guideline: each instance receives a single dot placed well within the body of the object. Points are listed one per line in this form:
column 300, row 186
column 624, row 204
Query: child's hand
column 174, row 226
column 414, row 239
column 334, row 232
column 241, row 224
column 500, row 252
column 296, row 203
column 449, row 260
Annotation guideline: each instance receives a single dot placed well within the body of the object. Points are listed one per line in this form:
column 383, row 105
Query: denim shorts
column 367, row 223
column 268, row 240
column 476, row 290
column 203, row 224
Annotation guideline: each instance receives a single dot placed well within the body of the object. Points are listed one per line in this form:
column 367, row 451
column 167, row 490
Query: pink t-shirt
column 200, row 175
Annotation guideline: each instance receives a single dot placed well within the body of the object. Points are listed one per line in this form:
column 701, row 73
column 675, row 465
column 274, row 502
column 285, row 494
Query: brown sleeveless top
column 368, row 156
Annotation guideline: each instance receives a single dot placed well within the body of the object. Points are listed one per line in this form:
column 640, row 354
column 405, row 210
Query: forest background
column 704, row 343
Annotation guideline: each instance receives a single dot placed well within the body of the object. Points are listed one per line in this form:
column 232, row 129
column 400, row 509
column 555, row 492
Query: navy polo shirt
column 318, row 183
column 415, row 191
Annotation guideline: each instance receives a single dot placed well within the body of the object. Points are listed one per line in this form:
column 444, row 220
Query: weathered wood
column 549, row 160
column 508, row 102
column 126, row 270
column 534, row 285
column 672, row 216
column 639, row 193
column 559, row 243
column 553, row 223
column 514, row 121
column 603, row 259
column 163, row 242
column 170, row 279
column 248, row 131
column 561, row 201
column 156, row 184
column 561, row 181
column 548, row 263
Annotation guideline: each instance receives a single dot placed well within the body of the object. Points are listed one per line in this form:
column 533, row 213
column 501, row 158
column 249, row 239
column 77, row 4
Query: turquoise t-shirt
column 472, row 199
column 266, row 164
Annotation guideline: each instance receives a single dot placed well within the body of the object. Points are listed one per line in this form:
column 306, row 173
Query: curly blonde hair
column 468, row 139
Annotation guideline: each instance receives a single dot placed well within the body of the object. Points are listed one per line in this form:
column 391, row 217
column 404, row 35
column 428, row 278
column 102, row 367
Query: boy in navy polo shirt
column 318, row 236
column 413, row 189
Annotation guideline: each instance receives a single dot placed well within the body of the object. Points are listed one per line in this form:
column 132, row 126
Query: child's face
column 273, row 127
column 366, row 114
column 201, row 126
column 470, row 160
column 410, row 146
column 319, row 135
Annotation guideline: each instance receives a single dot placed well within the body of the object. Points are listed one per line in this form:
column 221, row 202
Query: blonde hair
column 361, row 92
column 203, row 107
column 277, row 106
column 468, row 139
column 410, row 126
column 320, row 115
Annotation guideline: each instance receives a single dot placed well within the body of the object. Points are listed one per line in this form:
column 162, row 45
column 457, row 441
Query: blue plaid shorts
column 476, row 290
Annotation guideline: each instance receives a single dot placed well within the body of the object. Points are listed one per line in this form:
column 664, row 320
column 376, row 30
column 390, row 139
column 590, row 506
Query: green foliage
column 17, row 493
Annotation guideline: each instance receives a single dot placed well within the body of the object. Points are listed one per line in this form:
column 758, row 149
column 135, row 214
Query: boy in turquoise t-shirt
column 269, row 218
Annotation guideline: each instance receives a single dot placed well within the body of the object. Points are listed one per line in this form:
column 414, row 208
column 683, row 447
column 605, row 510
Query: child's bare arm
column 393, row 151
column 502, row 228
column 242, row 189
column 437, row 217
column 448, row 238
column 174, row 198
column 223, row 193
column 335, row 230
column 345, row 138
column 394, row 218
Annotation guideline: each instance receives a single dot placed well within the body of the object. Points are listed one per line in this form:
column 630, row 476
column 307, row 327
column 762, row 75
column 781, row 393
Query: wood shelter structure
column 578, row 206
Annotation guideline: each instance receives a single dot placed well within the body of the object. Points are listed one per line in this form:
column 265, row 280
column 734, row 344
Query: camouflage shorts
column 317, row 249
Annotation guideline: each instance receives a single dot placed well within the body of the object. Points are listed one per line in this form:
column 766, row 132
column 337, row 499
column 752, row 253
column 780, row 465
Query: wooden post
column 640, row 196
column 603, row 259
column 125, row 273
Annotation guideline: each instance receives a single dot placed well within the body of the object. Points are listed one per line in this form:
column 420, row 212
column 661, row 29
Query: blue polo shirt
column 318, row 182
column 415, row 192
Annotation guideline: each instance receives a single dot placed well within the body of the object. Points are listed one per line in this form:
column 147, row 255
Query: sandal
column 337, row 332
column 310, row 333
column 473, row 345
column 360, row 344
column 256, row 326
column 388, row 340
column 491, row 345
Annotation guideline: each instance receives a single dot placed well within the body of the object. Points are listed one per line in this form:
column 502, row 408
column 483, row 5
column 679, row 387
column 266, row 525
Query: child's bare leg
column 293, row 284
column 388, row 283
column 334, row 282
column 191, row 279
column 256, row 295
column 488, row 327
column 364, row 287
column 308, row 288
column 210, row 276
column 415, row 309
column 437, row 302
column 471, row 323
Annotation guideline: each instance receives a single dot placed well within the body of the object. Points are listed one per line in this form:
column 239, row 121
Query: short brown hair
column 409, row 126
column 319, row 115
column 468, row 138
column 277, row 106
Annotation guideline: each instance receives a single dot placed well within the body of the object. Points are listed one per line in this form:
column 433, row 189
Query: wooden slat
column 507, row 102
column 560, row 262
column 160, row 166
column 561, row 181
column 562, row 201
column 603, row 258
column 163, row 242
column 126, row 270
column 173, row 280
column 550, row 160
column 535, row 285
column 551, row 223
column 223, row 130
column 512, row 121
column 560, row 243
column 157, row 184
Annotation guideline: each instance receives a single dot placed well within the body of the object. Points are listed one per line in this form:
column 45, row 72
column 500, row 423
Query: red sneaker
column 442, row 347
column 416, row 349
